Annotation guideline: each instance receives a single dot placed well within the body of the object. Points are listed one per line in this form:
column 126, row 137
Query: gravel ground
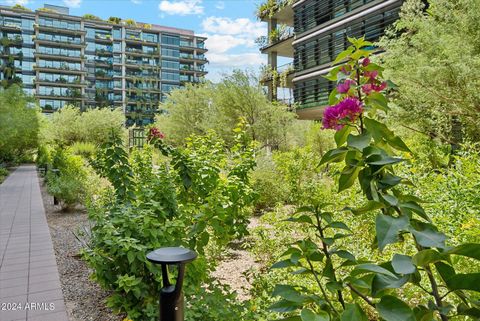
column 84, row 299
column 235, row 264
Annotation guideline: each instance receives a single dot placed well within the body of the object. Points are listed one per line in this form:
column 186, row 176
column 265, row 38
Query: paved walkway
column 30, row 287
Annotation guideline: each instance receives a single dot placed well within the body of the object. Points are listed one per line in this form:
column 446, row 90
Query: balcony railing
column 275, row 36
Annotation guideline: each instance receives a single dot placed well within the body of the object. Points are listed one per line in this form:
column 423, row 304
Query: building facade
column 319, row 31
column 88, row 62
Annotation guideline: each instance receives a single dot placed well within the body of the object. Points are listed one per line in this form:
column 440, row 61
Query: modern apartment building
column 88, row 62
column 311, row 33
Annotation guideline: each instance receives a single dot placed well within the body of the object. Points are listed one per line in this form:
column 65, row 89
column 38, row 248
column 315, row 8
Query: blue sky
column 231, row 26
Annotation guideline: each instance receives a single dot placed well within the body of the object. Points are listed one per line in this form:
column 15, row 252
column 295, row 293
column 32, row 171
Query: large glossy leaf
column 381, row 132
column 360, row 141
column 382, row 282
column 341, row 135
column 285, row 306
column 428, row 236
column 402, row 264
column 288, row 293
column 388, row 229
column 347, row 178
column 370, row 206
column 369, row 267
column 391, row 308
column 425, row 257
column 309, row 315
column 471, row 250
column 334, row 155
column 353, row 312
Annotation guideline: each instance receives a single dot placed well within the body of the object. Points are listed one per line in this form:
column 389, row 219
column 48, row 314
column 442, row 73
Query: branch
column 365, row 298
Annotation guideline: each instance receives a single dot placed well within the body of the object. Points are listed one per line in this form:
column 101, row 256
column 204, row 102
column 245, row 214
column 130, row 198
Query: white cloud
column 236, row 60
column 20, row 2
column 240, row 26
column 136, row 1
column 183, row 7
column 220, row 5
column 72, row 3
column 223, row 43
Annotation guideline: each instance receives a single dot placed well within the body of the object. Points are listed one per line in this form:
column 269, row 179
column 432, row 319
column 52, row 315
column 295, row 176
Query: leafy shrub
column 43, row 156
column 3, row 173
column 68, row 126
column 19, row 125
column 199, row 197
column 69, row 183
column 86, row 150
column 421, row 259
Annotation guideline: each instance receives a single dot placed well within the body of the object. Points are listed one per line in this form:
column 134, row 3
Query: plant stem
column 361, row 295
column 436, row 295
column 327, row 255
column 321, row 287
column 359, row 93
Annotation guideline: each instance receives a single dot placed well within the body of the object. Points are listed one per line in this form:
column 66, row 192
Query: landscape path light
column 171, row 295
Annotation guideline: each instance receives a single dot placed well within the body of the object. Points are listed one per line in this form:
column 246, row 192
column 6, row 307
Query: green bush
column 198, row 197
column 68, row 184
column 19, row 126
column 3, row 173
column 86, row 150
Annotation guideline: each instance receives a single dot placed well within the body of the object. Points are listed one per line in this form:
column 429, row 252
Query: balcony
column 46, row 55
column 187, row 45
column 103, row 38
column 103, row 53
column 61, row 43
column 281, row 77
column 279, row 10
column 59, row 29
column 279, row 40
column 61, row 82
column 60, row 69
column 11, row 27
column 16, row 41
column 191, row 57
column 192, row 70
column 140, row 53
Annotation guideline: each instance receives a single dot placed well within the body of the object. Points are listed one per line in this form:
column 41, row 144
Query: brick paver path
column 29, row 283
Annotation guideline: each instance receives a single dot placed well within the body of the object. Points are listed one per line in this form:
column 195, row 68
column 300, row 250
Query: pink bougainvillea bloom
column 345, row 86
column 371, row 74
column 366, row 62
column 369, row 87
column 345, row 69
column 155, row 133
column 348, row 110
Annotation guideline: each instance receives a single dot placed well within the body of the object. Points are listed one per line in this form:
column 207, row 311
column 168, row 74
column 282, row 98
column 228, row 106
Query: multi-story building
column 311, row 33
column 88, row 62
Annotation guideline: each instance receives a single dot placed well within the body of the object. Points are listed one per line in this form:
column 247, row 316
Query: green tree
column 434, row 57
column 238, row 96
column 19, row 124
column 69, row 125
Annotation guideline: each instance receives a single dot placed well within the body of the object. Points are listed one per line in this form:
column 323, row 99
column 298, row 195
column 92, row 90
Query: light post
column 171, row 296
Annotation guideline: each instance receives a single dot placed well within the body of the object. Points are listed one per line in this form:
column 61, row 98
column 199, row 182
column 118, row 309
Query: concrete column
column 124, row 70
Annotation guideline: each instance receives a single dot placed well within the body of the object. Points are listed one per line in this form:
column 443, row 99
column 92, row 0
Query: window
column 170, row 52
column 170, row 64
column 172, row 76
column 170, row 40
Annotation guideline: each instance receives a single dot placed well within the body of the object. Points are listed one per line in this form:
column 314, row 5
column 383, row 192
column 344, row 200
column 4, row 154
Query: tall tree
column 434, row 56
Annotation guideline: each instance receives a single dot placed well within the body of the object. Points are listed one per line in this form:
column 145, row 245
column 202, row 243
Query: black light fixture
column 171, row 296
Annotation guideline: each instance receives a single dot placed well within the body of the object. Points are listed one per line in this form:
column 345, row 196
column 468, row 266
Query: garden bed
column 84, row 299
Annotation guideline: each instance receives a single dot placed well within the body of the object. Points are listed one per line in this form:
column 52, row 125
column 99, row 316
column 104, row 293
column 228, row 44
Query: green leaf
column 427, row 235
column 381, row 132
column 382, row 282
column 309, row 315
column 353, row 312
column 416, row 208
column 369, row 267
column 378, row 100
column 284, row 306
column 388, row 229
column 471, row 250
column 359, row 141
column 469, row 281
column 282, row 264
column 341, row 135
column 402, row 264
column 332, row 98
column 288, row 293
column 339, row 225
column 374, row 160
column 334, row 155
column 348, row 177
column 343, row 55
column 425, row 257
column 345, row 255
column 370, row 206
column 392, row 309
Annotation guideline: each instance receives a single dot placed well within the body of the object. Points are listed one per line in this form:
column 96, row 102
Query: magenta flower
column 155, row 133
column 366, row 62
column 369, row 87
column 345, row 86
column 371, row 74
column 348, row 110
